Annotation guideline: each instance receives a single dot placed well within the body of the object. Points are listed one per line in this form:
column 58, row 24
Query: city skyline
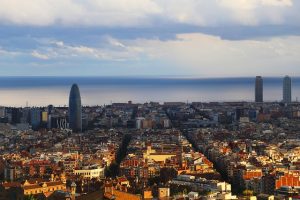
column 150, row 38
column 42, row 91
column 149, row 99
column 175, row 150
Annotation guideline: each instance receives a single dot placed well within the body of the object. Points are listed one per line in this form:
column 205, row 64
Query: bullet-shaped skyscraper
column 75, row 112
column 258, row 89
column 287, row 89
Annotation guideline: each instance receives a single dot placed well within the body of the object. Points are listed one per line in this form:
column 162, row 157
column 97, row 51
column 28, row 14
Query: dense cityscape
column 149, row 100
column 170, row 150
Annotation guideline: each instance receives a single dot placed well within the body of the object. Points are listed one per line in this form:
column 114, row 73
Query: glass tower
column 287, row 89
column 258, row 89
column 75, row 112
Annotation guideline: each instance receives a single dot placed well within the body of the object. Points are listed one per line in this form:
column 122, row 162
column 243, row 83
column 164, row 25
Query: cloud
column 38, row 55
column 277, row 2
column 4, row 52
column 207, row 55
column 76, row 12
column 141, row 13
column 111, row 49
column 115, row 42
column 201, row 37
column 188, row 54
column 254, row 12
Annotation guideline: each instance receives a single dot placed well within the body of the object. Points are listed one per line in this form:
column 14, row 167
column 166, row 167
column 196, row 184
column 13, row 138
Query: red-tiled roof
column 122, row 179
column 11, row 184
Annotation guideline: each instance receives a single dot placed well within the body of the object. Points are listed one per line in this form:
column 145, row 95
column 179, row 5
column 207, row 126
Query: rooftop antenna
column 26, row 104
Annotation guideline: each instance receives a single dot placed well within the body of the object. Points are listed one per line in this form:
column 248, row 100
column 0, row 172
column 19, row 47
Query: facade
column 16, row 115
column 59, row 122
column 18, row 190
column 163, row 193
column 289, row 179
column 75, row 112
column 45, row 187
column 90, row 173
column 44, row 117
column 12, row 173
column 2, row 112
column 258, row 89
column 287, row 89
column 151, row 154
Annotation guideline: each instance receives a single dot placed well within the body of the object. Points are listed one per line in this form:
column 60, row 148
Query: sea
column 43, row 91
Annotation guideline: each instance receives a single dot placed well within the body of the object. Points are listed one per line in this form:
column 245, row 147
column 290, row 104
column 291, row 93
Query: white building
column 2, row 111
column 90, row 172
column 166, row 123
column 193, row 195
column 139, row 122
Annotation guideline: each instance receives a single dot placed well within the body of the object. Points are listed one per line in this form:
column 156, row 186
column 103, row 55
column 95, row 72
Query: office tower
column 26, row 115
column 2, row 112
column 45, row 116
column 50, row 109
column 16, row 115
column 75, row 112
column 258, row 89
column 35, row 118
column 287, row 89
column 239, row 112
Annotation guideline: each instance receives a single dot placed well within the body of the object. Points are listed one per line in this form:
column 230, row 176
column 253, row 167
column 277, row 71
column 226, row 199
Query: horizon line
column 144, row 76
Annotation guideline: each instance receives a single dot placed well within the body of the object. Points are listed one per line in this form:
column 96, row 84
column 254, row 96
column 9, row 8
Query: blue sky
column 203, row 38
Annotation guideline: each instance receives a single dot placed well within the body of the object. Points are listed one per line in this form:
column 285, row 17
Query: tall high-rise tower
column 258, row 89
column 287, row 89
column 75, row 112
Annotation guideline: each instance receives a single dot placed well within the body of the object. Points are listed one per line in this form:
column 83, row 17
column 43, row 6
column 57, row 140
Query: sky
column 202, row 38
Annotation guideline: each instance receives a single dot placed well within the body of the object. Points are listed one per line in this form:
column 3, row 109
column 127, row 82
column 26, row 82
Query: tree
column 167, row 174
column 114, row 167
column 248, row 193
column 122, row 151
column 154, row 180
column 30, row 197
